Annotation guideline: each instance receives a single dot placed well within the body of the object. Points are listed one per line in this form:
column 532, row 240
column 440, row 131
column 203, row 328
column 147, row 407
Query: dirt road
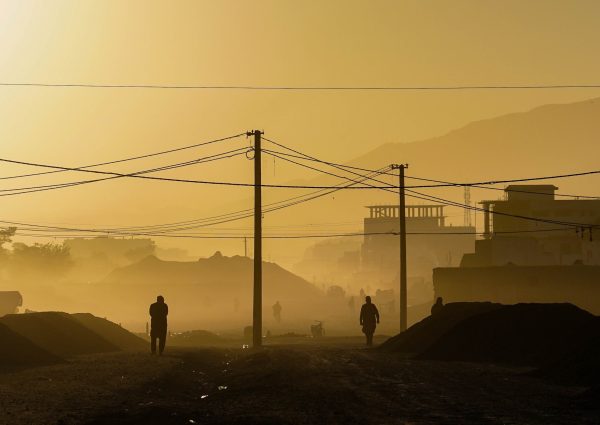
column 284, row 384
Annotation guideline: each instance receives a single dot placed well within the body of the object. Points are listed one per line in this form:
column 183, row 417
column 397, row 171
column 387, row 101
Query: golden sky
column 275, row 42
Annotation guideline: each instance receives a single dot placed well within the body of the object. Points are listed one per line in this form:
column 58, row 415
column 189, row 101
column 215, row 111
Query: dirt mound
column 521, row 334
column 422, row 335
column 579, row 367
column 111, row 332
column 194, row 338
column 17, row 352
column 58, row 333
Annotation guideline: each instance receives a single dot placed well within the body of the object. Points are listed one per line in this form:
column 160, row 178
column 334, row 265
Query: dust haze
column 280, row 212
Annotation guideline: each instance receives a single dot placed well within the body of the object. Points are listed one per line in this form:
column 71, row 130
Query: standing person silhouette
column 351, row 305
column 438, row 306
column 277, row 312
column 158, row 324
column 369, row 318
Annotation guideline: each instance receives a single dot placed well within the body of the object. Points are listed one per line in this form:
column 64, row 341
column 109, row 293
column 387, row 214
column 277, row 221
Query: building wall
column 578, row 211
column 539, row 242
column 380, row 253
column 579, row 285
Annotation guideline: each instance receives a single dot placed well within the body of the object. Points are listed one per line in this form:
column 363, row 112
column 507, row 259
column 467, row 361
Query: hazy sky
column 246, row 42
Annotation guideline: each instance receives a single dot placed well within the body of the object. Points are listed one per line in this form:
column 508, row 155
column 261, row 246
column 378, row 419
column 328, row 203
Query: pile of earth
column 36, row 339
column 425, row 333
column 289, row 335
column 113, row 333
column 58, row 333
column 18, row 352
column 520, row 334
column 194, row 338
column 578, row 367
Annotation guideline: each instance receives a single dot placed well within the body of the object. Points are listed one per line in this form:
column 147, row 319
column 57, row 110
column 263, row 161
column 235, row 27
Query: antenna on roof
column 467, row 211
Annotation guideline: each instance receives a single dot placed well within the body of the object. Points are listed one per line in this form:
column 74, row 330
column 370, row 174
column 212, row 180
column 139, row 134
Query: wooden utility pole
column 257, row 306
column 403, row 273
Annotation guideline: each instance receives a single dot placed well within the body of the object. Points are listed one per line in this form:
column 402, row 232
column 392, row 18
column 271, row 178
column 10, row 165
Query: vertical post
column 257, row 307
column 486, row 220
column 245, row 247
column 403, row 272
column 403, row 275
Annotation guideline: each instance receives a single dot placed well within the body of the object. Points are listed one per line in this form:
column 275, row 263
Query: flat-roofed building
column 430, row 242
column 526, row 228
column 535, row 248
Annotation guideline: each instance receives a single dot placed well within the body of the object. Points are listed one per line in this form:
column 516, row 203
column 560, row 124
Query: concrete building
column 511, row 238
column 431, row 243
column 525, row 260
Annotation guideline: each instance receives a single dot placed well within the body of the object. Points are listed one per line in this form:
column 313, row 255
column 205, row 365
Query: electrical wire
column 193, row 224
column 305, row 236
column 182, row 148
column 502, row 189
column 42, row 188
column 305, row 88
column 282, row 186
column 445, row 201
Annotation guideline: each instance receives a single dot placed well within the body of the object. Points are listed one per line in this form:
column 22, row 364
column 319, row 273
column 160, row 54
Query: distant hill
column 218, row 287
column 217, row 274
column 550, row 139
column 546, row 140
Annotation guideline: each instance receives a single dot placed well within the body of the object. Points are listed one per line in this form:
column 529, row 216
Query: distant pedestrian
column 369, row 318
column 351, row 305
column 277, row 311
column 158, row 324
column 438, row 306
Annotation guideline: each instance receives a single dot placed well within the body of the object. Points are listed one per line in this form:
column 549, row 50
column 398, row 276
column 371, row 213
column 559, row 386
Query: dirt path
column 307, row 384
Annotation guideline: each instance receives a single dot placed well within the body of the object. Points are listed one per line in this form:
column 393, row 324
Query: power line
column 447, row 202
column 306, row 236
column 574, row 225
column 502, row 189
column 132, row 158
column 306, row 88
column 178, row 180
column 282, row 186
column 41, row 188
column 229, row 217
column 306, row 156
column 441, row 183
column 275, row 155
column 438, row 199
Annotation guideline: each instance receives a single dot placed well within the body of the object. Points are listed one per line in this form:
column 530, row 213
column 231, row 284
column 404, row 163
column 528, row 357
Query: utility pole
column 402, row 219
column 245, row 247
column 467, row 218
column 257, row 306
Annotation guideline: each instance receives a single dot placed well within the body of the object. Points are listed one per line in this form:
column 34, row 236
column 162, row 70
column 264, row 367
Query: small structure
column 10, row 301
column 431, row 242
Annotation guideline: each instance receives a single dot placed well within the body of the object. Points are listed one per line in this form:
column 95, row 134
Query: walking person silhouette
column 369, row 318
column 158, row 324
